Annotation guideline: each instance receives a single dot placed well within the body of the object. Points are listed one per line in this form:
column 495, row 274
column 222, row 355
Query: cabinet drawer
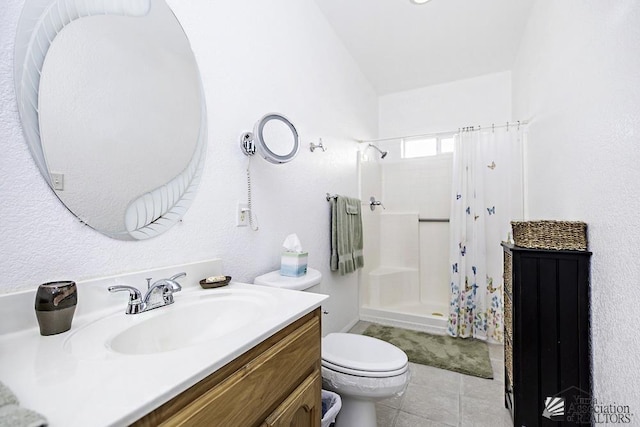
column 303, row 408
column 247, row 396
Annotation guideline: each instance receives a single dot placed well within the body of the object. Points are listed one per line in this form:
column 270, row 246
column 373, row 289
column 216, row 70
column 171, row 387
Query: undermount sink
column 193, row 319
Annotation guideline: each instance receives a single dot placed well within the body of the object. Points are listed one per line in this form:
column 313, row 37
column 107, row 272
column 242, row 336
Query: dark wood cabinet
column 547, row 333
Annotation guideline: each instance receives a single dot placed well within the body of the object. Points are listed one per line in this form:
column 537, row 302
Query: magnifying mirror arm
column 247, row 144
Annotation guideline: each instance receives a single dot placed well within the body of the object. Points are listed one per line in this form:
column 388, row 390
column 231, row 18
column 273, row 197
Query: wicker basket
column 558, row 235
column 508, row 362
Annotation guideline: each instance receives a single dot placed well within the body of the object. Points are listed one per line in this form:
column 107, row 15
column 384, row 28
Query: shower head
column 383, row 154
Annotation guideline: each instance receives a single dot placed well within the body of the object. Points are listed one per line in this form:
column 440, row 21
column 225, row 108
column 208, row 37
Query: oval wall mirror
column 113, row 111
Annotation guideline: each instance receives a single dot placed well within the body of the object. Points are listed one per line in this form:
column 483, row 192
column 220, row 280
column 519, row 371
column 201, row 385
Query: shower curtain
column 486, row 196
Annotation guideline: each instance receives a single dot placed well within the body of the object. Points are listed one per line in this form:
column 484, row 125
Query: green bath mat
column 467, row 356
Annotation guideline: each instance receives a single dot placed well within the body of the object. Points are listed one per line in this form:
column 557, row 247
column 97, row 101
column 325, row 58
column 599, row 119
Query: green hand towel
column 16, row 416
column 346, row 235
column 6, row 396
column 12, row 415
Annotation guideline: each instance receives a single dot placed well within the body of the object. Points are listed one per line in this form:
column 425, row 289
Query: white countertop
column 118, row 389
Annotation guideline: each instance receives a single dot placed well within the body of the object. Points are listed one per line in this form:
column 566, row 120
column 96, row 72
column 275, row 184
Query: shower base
column 394, row 299
column 417, row 316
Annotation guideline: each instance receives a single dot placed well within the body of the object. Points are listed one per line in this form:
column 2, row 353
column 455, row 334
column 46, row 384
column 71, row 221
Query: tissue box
column 294, row 264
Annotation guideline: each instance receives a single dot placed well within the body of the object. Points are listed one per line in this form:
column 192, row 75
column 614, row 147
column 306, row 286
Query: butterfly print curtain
column 487, row 195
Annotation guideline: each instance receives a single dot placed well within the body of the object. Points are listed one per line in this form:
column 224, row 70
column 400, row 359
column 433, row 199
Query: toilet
column 362, row 370
column 359, row 368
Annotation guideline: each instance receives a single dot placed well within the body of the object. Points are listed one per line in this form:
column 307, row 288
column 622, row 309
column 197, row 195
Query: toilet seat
column 362, row 356
column 365, row 374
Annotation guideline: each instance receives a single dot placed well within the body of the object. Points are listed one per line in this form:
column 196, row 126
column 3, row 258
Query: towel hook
column 373, row 203
column 313, row 146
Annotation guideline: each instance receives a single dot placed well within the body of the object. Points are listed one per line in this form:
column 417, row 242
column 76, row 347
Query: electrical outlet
column 242, row 215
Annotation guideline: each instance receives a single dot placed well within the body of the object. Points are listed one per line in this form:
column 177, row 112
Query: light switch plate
column 57, row 179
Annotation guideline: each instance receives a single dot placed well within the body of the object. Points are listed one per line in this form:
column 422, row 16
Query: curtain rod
column 466, row 128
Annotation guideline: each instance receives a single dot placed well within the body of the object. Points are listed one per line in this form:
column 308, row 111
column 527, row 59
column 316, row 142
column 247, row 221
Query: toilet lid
column 276, row 280
column 360, row 353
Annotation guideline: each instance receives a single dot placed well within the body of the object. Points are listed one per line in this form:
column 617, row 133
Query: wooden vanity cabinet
column 302, row 408
column 275, row 384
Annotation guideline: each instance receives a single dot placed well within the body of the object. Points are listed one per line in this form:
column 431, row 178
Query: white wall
column 255, row 57
column 448, row 106
column 576, row 79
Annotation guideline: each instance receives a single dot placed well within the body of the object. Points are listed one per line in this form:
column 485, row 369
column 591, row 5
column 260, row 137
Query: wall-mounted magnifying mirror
column 274, row 137
column 113, row 111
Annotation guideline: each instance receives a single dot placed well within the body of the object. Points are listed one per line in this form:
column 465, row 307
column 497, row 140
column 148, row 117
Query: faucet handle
column 177, row 276
column 134, row 294
column 172, row 286
column 173, row 281
column 135, row 297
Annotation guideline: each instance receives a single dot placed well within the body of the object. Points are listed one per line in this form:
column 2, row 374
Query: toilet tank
column 275, row 280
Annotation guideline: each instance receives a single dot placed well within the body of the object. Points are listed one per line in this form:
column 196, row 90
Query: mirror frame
column 150, row 214
column 250, row 142
column 268, row 154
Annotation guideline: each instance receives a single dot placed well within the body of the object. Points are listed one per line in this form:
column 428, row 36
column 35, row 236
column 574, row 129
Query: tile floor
column 436, row 397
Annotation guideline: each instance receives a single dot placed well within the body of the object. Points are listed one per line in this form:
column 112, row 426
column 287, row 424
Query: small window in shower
column 419, row 147
column 424, row 147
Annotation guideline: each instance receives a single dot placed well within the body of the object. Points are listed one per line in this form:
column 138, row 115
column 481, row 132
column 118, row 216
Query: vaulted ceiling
column 402, row 46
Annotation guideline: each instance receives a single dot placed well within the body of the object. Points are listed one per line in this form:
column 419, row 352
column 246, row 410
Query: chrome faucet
column 158, row 294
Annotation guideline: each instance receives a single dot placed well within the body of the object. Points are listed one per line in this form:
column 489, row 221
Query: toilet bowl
column 362, row 370
column 359, row 368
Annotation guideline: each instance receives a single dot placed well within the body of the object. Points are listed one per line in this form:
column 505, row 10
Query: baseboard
column 350, row 325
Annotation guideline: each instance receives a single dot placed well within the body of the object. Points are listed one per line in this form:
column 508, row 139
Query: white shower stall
column 399, row 248
column 405, row 281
